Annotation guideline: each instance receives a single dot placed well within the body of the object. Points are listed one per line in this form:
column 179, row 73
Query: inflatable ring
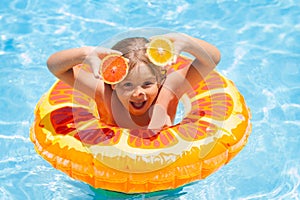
column 68, row 134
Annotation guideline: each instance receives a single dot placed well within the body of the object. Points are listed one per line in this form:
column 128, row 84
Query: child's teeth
column 138, row 104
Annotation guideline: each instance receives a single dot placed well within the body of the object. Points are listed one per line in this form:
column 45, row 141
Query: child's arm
column 164, row 110
column 206, row 58
column 64, row 65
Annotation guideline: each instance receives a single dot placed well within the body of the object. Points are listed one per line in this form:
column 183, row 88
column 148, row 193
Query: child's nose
column 138, row 92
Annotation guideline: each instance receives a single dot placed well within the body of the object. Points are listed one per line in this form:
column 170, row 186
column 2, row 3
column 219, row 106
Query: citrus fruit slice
column 160, row 51
column 114, row 68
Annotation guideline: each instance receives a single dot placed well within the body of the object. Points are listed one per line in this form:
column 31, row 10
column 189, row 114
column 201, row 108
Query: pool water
column 260, row 46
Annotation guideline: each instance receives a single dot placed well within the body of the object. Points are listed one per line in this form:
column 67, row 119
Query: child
column 147, row 97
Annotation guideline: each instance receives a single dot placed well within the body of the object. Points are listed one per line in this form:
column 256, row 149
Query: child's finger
column 96, row 72
column 151, row 38
column 127, row 60
column 95, row 66
column 105, row 51
column 176, row 52
column 174, row 59
column 115, row 51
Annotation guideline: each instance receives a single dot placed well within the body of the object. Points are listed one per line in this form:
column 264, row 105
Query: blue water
column 260, row 45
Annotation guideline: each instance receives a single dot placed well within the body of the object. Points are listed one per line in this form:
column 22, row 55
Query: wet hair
column 134, row 49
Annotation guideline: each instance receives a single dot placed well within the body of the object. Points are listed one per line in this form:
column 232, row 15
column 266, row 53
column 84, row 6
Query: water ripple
column 259, row 41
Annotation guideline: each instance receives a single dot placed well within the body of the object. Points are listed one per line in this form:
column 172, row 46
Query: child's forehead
column 142, row 70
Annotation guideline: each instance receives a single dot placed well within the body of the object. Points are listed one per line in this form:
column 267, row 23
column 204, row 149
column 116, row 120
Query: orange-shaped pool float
column 67, row 133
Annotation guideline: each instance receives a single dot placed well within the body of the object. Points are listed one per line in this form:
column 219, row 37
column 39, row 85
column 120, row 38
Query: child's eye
column 148, row 83
column 127, row 85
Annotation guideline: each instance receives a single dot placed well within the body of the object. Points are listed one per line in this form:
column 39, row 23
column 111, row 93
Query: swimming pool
column 260, row 45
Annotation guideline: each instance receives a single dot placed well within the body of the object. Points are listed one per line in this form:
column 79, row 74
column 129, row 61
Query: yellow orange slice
column 160, row 51
column 114, row 68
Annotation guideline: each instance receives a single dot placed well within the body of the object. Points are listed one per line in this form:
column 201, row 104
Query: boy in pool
column 147, row 97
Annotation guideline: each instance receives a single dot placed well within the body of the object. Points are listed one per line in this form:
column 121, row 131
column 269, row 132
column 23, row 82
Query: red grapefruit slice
column 114, row 68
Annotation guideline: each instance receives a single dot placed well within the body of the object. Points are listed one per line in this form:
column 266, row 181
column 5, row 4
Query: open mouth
column 138, row 105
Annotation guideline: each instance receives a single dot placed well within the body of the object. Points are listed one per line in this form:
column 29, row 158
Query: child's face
column 138, row 90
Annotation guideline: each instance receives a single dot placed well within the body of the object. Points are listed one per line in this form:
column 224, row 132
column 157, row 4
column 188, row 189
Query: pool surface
column 260, row 46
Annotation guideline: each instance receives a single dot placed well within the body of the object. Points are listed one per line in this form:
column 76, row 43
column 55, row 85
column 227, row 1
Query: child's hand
column 159, row 118
column 95, row 57
column 180, row 41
